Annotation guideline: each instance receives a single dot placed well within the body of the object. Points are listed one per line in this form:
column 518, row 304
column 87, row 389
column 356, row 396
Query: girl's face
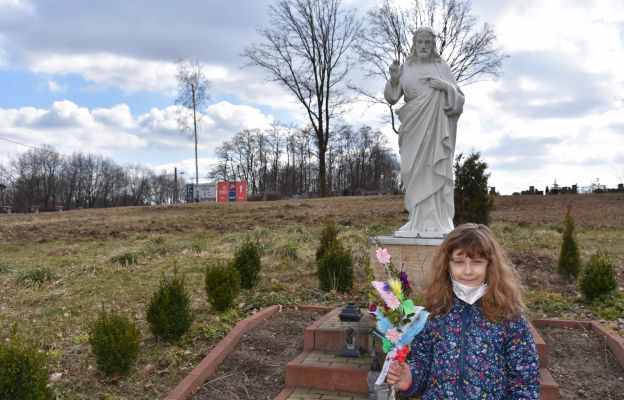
column 467, row 271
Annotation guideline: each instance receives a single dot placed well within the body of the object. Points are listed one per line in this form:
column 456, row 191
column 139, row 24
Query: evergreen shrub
column 115, row 341
column 569, row 264
column 472, row 200
column 23, row 373
column 598, row 278
column 222, row 285
column 329, row 235
column 335, row 268
column 169, row 311
column 248, row 264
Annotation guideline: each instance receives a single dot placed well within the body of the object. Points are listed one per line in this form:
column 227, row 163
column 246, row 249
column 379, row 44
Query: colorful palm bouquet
column 398, row 319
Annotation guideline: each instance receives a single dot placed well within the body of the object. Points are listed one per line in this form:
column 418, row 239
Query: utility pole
column 175, row 185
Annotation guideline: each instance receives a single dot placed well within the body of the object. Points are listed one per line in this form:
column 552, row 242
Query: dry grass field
column 79, row 253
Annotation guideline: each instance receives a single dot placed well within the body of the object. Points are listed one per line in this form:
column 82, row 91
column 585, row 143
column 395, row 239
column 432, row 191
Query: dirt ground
column 582, row 365
column 596, row 211
column 580, row 362
column 255, row 369
column 256, row 373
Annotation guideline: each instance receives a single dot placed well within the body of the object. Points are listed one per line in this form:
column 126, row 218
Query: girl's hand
column 399, row 375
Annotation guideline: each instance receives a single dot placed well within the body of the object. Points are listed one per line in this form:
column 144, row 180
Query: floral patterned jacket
column 462, row 355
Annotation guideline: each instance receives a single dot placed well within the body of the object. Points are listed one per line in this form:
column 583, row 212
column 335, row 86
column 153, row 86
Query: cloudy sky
column 99, row 76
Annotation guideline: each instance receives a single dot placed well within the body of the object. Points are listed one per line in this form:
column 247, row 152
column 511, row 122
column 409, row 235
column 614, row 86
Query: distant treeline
column 276, row 163
column 45, row 179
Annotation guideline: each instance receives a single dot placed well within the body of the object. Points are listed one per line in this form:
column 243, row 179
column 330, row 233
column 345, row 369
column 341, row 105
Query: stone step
column 324, row 333
column 319, row 367
column 307, row 394
column 326, row 370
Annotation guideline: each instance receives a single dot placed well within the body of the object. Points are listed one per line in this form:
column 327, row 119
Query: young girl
column 477, row 343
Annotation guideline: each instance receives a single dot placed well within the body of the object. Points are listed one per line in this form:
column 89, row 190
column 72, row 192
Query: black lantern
column 350, row 318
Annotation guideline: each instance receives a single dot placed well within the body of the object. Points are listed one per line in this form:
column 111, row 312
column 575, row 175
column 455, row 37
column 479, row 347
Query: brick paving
column 331, row 359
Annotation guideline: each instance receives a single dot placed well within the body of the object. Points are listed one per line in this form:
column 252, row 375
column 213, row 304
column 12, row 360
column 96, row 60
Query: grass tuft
column 156, row 247
column 126, row 258
column 36, row 276
column 287, row 251
column 6, row 267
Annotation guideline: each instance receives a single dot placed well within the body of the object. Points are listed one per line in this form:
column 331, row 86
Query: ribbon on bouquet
column 390, row 357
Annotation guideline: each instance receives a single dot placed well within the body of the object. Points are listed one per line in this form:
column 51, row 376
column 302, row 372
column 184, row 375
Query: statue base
column 415, row 253
column 424, row 235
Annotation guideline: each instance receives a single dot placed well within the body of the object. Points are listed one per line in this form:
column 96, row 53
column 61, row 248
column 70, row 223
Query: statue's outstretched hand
column 395, row 71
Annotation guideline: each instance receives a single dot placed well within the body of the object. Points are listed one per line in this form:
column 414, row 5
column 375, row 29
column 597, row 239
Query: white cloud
column 15, row 6
column 105, row 69
column 186, row 168
column 68, row 127
column 219, row 122
column 55, row 87
column 237, row 117
column 134, row 75
column 551, row 115
column 157, row 120
column 118, row 116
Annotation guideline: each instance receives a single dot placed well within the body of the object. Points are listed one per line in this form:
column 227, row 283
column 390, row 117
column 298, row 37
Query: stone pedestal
column 415, row 253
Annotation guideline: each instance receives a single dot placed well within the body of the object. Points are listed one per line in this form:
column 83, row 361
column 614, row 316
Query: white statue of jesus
column 433, row 104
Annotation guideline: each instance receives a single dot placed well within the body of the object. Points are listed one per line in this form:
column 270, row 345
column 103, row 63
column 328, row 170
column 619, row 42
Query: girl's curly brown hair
column 501, row 301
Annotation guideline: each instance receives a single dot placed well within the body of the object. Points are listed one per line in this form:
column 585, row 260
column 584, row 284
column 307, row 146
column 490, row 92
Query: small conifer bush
column 115, row 343
column 222, row 285
column 23, row 374
column 248, row 264
column 472, row 201
column 329, row 235
column 169, row 311
column 598, row 278
column 569, row 264
column 335, row 268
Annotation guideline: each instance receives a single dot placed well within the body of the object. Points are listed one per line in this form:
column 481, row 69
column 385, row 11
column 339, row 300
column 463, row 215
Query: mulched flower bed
column 582, row 364
column 255, row 369
column 579, row 360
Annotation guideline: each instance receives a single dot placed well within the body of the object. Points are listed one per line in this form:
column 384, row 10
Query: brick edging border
column 615, row 342
column 209, row 364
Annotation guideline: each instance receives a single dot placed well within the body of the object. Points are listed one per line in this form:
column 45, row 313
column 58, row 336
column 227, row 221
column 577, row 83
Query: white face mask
column 468, row 294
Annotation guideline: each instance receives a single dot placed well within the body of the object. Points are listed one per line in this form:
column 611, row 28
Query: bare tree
column 305, row 50
column 192, row 95
column 470, row 51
